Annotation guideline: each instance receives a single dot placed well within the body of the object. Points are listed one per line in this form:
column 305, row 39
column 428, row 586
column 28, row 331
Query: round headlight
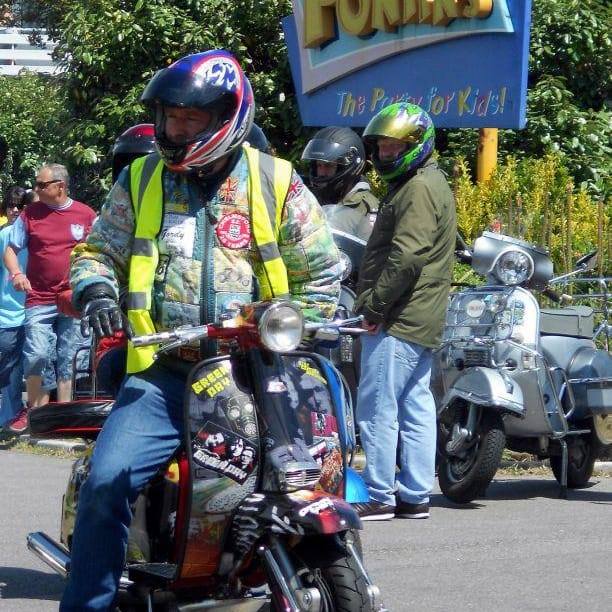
column 513, row 267
column 281, row 327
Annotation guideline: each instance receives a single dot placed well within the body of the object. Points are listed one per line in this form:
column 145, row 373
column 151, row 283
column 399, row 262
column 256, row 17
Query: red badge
column 234, row 231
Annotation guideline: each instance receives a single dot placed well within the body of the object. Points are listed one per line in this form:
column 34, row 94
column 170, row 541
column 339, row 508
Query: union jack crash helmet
column 212, row 81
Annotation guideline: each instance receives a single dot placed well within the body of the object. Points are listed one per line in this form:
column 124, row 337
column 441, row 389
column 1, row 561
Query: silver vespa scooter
column 513, row 375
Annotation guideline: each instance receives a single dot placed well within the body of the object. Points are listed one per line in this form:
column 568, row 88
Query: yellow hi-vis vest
column 269, row 179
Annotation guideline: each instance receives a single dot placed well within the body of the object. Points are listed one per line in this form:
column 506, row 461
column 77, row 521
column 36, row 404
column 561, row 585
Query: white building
column 16, row 52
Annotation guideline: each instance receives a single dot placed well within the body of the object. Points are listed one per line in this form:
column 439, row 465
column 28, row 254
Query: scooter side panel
column 486, row 387
column 225, row 453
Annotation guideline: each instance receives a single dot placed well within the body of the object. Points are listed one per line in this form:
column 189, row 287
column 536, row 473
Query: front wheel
column 324, row 563
column 465, row 473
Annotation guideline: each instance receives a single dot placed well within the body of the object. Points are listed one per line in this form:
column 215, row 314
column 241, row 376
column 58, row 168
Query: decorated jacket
column 207, row 262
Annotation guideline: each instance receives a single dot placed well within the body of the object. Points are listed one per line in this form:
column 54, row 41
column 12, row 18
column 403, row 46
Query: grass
column 26, row 445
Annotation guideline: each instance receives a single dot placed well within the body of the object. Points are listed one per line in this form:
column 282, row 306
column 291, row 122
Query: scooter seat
column 77, row 419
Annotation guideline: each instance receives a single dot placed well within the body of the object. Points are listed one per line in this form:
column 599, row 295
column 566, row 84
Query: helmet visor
column 401, row 126
column 326, row 151
column 180, row 85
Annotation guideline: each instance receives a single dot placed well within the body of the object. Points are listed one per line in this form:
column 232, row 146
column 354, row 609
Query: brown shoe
column 412, row 511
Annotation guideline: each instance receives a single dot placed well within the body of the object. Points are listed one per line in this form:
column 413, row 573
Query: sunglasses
column 45, row 184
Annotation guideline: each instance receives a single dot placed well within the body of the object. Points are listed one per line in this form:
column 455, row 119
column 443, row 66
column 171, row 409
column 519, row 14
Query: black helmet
column 135, row 142
column 339, row 145
column 212, row 81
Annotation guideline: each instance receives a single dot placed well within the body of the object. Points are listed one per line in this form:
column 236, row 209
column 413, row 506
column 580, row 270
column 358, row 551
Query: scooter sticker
column 223, row 451
column 324, row 425
column 212, row 383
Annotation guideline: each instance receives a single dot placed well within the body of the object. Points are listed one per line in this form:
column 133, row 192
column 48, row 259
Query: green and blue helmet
column 406, row 122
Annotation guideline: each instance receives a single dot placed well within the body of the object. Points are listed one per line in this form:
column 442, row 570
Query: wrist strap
column 12, row 276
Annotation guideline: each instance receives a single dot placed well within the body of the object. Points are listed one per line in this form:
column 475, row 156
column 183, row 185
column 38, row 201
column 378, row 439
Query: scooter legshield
column 223, row 437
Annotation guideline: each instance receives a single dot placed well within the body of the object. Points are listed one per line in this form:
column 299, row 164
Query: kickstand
column 564, row 462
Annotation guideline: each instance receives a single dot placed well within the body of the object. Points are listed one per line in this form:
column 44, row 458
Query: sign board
column 463, row 61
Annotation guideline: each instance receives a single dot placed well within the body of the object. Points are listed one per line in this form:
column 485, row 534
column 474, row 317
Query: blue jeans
column 394, row 398
column 41, row 321
column 140, row 435
column 11, row 372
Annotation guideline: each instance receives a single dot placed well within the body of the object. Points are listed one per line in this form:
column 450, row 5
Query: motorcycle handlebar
column 183, row 335
column 174, row 335
column 555, row 296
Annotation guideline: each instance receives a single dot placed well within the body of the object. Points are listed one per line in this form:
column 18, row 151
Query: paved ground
column 519, row 549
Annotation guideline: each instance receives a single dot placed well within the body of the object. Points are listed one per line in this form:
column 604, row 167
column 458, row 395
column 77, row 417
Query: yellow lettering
column 445, row 11
column 476, row 9
column 318, row 22
column 410, row 11
column 378, row 93
column 462, row 105
column 425, row 8
column 197, row 386
column 354, row 16
column 386, row 15
column 361, row 17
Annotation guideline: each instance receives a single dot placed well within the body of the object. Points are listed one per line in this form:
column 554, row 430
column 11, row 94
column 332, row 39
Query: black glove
column 101, row 313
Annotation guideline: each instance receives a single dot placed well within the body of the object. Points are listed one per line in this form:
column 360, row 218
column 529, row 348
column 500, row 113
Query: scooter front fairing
column 269, row 427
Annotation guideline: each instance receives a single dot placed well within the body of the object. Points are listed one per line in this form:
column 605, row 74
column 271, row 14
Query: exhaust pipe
column 57, row 556
column 53, row 554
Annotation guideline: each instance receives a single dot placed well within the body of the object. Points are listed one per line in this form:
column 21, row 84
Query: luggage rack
column 600, row 299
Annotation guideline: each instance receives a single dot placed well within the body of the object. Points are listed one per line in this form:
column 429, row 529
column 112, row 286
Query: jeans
column 394, row 398
column 40, row 322
column 139, row 436
column 11, row 372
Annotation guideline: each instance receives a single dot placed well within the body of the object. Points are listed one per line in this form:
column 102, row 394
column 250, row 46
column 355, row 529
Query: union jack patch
column 227, row 191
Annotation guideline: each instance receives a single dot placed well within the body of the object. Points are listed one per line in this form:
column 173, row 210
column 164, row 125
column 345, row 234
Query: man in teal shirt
column 12, row 318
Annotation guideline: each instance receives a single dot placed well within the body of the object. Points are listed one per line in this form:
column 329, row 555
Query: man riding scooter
column 171, row 225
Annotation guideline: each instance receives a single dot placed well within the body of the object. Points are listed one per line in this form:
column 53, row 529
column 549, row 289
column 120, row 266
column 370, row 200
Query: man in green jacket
column 403, row 288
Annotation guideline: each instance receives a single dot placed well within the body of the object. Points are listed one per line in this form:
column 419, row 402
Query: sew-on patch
column 234, row 231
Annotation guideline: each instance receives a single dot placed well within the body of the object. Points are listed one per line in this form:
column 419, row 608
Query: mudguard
column 486, row 387
column 303, row 512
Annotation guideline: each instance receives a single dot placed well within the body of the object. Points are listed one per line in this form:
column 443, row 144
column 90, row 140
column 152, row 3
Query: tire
column 464, row 478
column 324, row 562
column 581, row 461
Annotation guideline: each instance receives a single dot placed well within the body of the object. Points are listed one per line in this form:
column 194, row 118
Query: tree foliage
column 32, row 111
column 110, row 48
column 568, row 101
column 535, row 199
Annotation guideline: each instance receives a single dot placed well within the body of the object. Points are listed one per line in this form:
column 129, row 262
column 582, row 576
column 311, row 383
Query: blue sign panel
column 463, row 61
